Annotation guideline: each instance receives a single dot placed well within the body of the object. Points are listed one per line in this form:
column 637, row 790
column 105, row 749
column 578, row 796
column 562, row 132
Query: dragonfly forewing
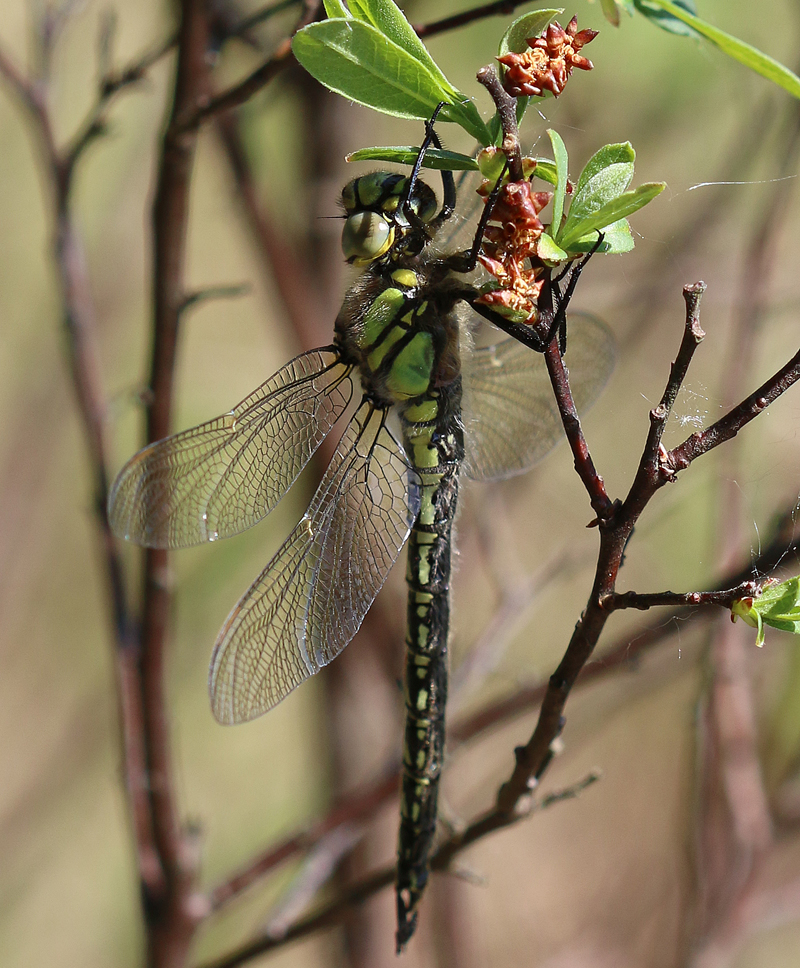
column 511, row 420
column 311, row 599
column 222, row 477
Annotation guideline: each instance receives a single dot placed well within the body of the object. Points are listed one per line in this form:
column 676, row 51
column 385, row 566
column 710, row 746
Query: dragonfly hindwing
column 310, row 600
column 511, row 420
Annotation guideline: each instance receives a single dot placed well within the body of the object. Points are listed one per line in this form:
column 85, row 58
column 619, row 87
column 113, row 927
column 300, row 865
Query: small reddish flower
column 549, row 62
column 510, row 239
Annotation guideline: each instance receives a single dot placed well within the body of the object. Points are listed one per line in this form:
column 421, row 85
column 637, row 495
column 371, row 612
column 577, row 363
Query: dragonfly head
column 376, row 224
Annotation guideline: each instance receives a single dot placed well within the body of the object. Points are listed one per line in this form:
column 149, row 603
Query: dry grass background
column 602, row 880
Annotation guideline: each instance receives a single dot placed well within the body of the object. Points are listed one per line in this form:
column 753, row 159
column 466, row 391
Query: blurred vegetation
column 601, row 881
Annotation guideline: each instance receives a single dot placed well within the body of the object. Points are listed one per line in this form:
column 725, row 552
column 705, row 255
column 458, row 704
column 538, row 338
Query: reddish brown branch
column 81, row 341
column 728, row 426
column 721, row 599
column 172, row 909
column 592, row 481
column 496, row 9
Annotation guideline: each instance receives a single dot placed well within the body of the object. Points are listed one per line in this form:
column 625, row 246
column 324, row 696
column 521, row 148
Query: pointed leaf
column 750, row 56
column 618, row 208
column 359, row 62
column 548, row 251
column 562, row 170
column 616, row 154
column 387, row 17
column 667, row 21
column 528, row 25
column 617, row 239
column 435, row 158
column 601, row 188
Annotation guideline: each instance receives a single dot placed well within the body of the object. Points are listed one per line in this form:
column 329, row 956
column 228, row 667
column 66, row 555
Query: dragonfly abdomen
column 436, row 449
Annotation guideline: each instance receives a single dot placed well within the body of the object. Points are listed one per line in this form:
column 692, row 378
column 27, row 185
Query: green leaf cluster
column 778, row 605
column 601, row 200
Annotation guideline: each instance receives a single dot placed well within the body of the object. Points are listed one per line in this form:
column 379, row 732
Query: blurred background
column 640, row 870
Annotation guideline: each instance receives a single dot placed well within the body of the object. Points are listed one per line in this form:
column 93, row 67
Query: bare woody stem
column 656, row 469
column 81, row 341
column 172, row 914
column 507, row 112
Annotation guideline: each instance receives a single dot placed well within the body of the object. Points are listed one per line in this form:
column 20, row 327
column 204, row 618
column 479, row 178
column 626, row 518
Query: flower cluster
column 507, row 245
column 549, row 62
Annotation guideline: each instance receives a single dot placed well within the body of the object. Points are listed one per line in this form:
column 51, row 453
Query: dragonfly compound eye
column 366, row 236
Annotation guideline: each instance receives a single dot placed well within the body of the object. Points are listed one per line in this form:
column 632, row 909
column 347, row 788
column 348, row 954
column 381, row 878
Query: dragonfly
column 400, row 357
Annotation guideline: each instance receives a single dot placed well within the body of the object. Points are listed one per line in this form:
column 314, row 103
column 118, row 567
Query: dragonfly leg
column 448, row 182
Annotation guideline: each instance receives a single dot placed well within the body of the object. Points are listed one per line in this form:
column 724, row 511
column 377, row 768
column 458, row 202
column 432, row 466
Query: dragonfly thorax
column 399, row 326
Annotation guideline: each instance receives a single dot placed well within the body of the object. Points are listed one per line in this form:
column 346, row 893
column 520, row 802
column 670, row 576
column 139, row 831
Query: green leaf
column 619, row 207
column 617, row 239
column 547, row 171
column 529, row 25
column 336, row 8
column 610, row 11
column 549, row 251
column 387, row 17
column 357, row 61
column 616, row 154
column 602, row 180
column 435, row 158
column 667, row 21
column 562, row 171
column 737, row 49
column 778, row 605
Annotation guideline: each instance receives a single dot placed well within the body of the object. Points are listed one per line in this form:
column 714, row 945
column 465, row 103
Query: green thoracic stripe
column 436, row 448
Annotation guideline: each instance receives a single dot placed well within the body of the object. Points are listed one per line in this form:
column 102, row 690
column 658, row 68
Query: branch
column 729, row 426
column 621, row 655
column 722, row 599
column 592, row 481
column 331, row 912
column 80, row 329
column 507, row 112
column 171, row 910
column 496, row 9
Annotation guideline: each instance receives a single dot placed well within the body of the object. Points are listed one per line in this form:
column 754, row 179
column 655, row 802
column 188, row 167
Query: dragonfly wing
column 510, row 415
column 222, row 477
column 310, row 600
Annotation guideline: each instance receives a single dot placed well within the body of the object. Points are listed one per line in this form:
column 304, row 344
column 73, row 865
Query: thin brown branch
column 331, row 913
column 728, row 426
column 507, row 112
column 81, row 340
column 260, row 77
column 496, row 9
column 721, row 599
column 172, row 911
column 620, row 655
column 592, row 481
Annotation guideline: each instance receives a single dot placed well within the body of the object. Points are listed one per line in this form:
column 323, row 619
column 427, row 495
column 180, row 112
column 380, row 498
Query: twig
column 722, row 599
column 592, row 481
column 728, row 426
column 507, row 112
column 622, row 654
column 495, row 9
column 331, row 912
column 81, row 341
column 173, row 912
